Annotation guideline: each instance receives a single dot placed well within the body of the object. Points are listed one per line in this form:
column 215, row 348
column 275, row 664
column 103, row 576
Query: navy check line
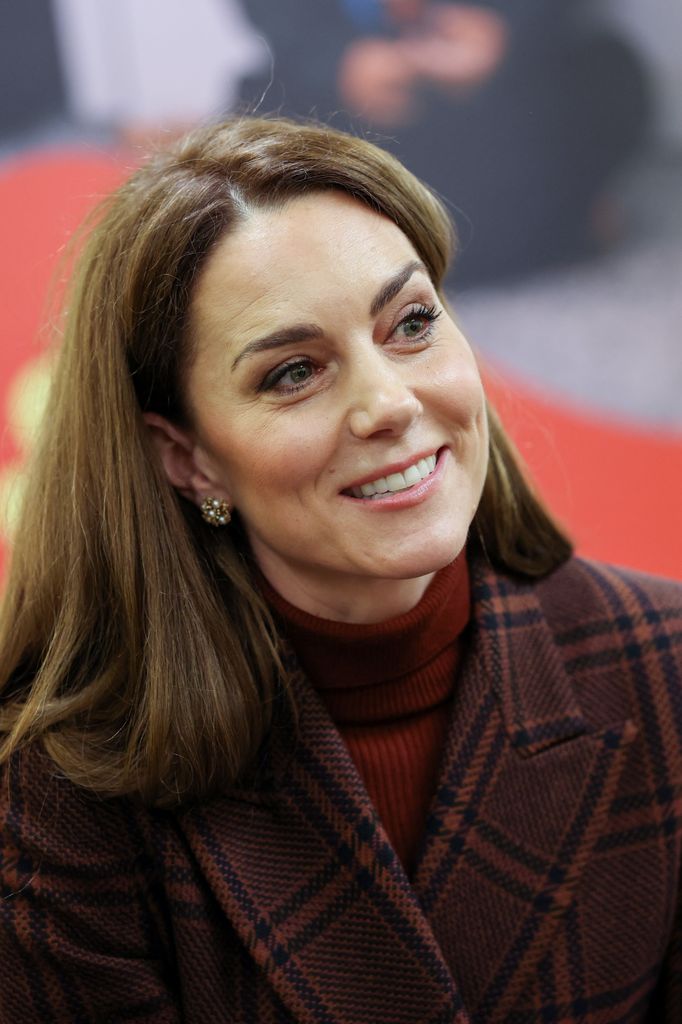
column 333, row 911
column 497, row 625
column 346, row 796
column 468, row 747
column 512, row 849
column 262, row 930
column 495, row 621
column 481, row 592
column 612, row 741
column 575, row 950
column 246, row 991
column 633, row 836
column 639, row 801
column 545, row 901
column 345, row 803
column 642, row 683
column 458, row 840
column 311, row 888
column 547, row 980
column 662, row 643
column 393, row 917
column 587, row 631
column 614, row 655
column 405, row 930
column 603, row 627
column 577, row 1008
column 599, row 659
column 506, row 882
column 553, row 728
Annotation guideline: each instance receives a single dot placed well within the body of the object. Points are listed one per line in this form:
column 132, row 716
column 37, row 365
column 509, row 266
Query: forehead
column 286, row 262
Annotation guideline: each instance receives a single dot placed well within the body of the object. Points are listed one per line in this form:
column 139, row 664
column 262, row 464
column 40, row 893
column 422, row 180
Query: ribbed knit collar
column 370, row 673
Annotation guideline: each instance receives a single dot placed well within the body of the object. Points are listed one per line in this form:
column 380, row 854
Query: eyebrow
column 394, row 286
column 309, row 332
column 284, row 336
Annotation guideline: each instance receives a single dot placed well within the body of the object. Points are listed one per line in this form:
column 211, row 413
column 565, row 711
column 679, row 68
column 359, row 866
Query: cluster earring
column 215, row 512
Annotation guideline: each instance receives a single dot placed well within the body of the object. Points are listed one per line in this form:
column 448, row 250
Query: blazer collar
column 309, row 880
column 518, row 653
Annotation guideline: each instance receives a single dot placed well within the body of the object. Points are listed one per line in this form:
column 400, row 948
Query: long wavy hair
column 133, row 642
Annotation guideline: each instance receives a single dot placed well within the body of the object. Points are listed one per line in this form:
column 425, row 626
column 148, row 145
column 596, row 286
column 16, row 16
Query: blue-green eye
column 298, row 374
column 413, row 327
column 416, row 325
column 288, row 376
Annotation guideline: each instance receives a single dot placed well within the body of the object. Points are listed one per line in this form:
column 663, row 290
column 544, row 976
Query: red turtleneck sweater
column 387, row 687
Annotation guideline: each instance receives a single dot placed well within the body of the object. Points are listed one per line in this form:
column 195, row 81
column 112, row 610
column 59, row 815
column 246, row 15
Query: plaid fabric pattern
column 547, row 887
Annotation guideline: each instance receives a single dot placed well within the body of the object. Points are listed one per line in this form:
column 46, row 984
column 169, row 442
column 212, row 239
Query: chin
column 433, row 556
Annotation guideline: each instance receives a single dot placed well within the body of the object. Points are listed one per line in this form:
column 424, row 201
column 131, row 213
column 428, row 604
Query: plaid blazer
column 547, row 888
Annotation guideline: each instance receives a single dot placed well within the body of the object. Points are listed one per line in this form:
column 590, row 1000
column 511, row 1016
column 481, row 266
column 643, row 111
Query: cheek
column 458, row 390
column 277, row 464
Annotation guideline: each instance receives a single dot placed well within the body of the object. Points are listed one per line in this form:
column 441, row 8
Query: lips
column 394, row 480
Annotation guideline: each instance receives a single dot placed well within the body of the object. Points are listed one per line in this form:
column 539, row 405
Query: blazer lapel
column 524, row 791
column 307, row 877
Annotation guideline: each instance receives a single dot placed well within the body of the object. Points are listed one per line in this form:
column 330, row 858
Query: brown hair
column 132, row 641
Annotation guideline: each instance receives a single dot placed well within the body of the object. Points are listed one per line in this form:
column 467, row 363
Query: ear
column 184, row 461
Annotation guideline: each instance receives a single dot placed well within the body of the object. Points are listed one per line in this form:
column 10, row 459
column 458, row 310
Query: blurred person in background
column 138, row 70
column 519, row 113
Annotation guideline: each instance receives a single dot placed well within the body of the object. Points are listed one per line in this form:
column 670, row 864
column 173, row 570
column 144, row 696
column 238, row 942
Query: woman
column 308, row 713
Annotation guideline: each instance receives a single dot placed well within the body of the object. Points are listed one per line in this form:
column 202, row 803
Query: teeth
column 397, row 481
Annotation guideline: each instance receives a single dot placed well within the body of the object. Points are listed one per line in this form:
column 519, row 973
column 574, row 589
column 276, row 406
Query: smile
column 395, row 482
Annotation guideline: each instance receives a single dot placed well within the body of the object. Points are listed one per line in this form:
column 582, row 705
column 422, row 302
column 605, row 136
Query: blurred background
column 551, row 129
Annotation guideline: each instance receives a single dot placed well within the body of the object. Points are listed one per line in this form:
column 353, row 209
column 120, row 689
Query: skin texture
column 368, row 391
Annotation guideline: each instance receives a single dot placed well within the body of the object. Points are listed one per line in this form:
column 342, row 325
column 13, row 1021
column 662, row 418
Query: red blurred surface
column 43, row 199
column 616, row 487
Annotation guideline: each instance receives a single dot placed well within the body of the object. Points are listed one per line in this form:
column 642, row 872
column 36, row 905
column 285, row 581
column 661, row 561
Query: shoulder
column 49, row 821
column 83, row 919
column 618, row 634
column 60, row 844
column 591, row 597
column 583, row 599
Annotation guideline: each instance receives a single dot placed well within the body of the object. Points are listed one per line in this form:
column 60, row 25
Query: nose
column 382, row 400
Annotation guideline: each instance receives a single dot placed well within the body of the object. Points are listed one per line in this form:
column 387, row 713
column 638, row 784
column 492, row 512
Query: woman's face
column 326, row 369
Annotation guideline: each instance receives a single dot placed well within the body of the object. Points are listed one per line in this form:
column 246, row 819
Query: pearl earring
column 215, row 512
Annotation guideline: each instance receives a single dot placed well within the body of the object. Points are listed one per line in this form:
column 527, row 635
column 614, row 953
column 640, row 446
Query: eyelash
column 428, row 313
column 421, row 312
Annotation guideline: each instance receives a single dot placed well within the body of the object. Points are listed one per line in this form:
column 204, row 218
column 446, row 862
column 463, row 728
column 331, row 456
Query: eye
column 288, row 377
column 417, row 324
